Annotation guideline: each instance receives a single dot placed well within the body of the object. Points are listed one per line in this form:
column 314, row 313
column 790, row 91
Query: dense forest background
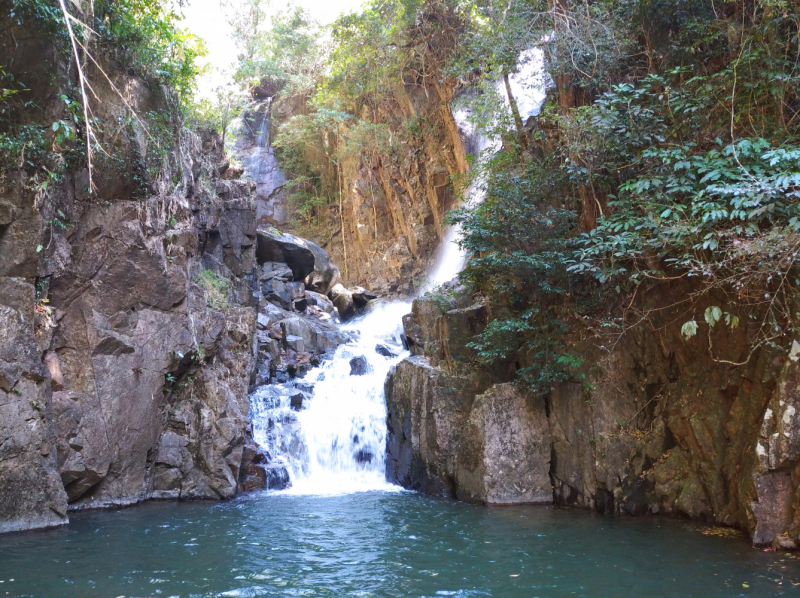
column 666, row 154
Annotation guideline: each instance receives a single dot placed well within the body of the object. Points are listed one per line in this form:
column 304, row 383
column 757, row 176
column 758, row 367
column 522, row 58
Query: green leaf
column 731, row 320
column 689, row 329
column 712, row 315
column 39, row 248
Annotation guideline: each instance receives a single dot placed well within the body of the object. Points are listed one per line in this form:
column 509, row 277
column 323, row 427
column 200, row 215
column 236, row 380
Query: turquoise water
column 381, row 545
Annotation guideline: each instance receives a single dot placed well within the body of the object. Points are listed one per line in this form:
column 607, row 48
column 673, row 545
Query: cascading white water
column 328, row 429
column 528, row 87
column 336, row 442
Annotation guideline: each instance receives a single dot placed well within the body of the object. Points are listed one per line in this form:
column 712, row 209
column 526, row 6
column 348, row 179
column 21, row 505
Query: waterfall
column 336, row 443
column 262, row 140
column 253, row 148
column 328, row 429
column 528, row 86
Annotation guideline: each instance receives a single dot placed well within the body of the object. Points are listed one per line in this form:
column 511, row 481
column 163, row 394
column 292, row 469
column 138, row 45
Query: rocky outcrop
column 31, row 494
column 659, row 424
column 350, row 302
column 446, row 439
column 127, row 341
column 427, row 413
column 776, row 476
column 252, row 147
column 390, row 220
column 504, row 450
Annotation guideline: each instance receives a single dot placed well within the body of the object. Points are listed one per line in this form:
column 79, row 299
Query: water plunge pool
column 381, row 544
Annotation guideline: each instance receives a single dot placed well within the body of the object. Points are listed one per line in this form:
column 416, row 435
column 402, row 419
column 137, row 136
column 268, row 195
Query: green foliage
column 218, row 112
column 286, row 52
column 148, row 35
column 519, row 248
column 215, row 287
column 677, row 125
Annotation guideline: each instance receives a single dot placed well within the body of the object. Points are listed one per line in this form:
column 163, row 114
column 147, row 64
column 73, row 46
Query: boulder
column 275, row 246
column 427, row 411
column 275, row 291
column 286, row 295
column 295, row 343
column 384, row 351
column 296, row 401
column 321, row 302
column 326, row 273
column 277, row 477
column 362, row 296
column 253, row 474
column 784, row 542
column 504, row 451
column 343, row 301
column 359, row 366
column 298, row 327
column 279, row 270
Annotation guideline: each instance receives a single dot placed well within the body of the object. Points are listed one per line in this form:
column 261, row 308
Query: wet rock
column 275, row 246
column 304, row 387
column 361, row 297
column 296, row 401
column 385, row 351
column 363, row 457
column 427, row 411
column 343, row 301
column 296, row 344
column 253, row 473
column 277, row 478
column 784, row 542
column 358, row 366
column 326, row 273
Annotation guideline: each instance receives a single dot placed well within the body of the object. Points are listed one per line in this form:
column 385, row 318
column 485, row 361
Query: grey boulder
column 275, row 246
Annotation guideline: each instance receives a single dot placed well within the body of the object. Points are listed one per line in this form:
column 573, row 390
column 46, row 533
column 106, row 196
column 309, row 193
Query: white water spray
column 337, row 443
column 528, row 87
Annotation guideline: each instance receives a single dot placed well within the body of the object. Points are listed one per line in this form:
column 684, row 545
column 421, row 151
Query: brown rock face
column 504, row 452
column 659, row 426
column 428, row 411
column 130, row 381
column 393, row 205
column 31, row 494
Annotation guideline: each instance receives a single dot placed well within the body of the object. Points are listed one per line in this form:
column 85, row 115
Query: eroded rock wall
column 659, row 425
column 127, row 342
column 393, row 203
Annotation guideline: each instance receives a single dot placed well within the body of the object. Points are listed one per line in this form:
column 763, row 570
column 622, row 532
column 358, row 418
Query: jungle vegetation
column 667, row 149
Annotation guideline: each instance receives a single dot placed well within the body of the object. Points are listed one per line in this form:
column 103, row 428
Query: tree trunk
column 523, row 139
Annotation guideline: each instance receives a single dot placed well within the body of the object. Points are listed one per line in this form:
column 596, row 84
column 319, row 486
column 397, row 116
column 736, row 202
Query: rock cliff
column 661, row 425
column 390, row 220
column 129, row 313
